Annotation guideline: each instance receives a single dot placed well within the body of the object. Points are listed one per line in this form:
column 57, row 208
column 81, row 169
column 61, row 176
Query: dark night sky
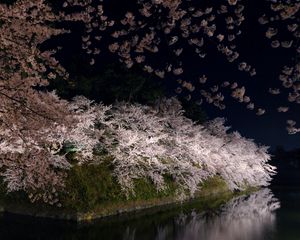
column 268, row 129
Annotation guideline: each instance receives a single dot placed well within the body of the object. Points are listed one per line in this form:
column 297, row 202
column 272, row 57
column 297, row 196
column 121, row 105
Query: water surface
column 263, row 215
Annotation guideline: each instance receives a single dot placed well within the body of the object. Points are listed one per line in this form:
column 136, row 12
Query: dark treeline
column 111, row 82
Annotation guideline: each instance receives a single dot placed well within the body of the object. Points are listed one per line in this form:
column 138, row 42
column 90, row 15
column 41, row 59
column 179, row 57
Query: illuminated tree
column 151, row 142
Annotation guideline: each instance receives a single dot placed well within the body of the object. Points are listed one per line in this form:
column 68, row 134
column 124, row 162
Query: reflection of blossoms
column 246, row 217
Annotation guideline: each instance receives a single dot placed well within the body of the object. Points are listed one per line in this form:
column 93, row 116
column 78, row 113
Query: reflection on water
column 244, row 218
column 247, row 218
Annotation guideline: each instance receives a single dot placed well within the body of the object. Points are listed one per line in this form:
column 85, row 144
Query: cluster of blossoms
column 161, row 35
column 146, row 142
column 282, row 28
column 33, row 122
column 25, row 112
column 157, row 142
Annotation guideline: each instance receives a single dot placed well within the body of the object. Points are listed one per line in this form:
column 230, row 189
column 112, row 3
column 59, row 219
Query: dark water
column 262, row 215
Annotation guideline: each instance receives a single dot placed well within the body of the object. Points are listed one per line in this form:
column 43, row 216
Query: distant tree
column 193, row 111
column 113, row 82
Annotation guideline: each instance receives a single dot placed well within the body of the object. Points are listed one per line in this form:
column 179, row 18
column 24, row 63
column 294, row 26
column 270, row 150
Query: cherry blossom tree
column 145, row 142
column 27, row 113
column 34, row 123
column 154, row 143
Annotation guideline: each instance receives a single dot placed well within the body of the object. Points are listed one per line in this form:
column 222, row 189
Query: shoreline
column 205, row 200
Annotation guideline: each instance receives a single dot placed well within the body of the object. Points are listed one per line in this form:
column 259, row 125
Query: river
column 263, row 215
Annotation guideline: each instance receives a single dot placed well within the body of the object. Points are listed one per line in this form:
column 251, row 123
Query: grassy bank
column 93, row 192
